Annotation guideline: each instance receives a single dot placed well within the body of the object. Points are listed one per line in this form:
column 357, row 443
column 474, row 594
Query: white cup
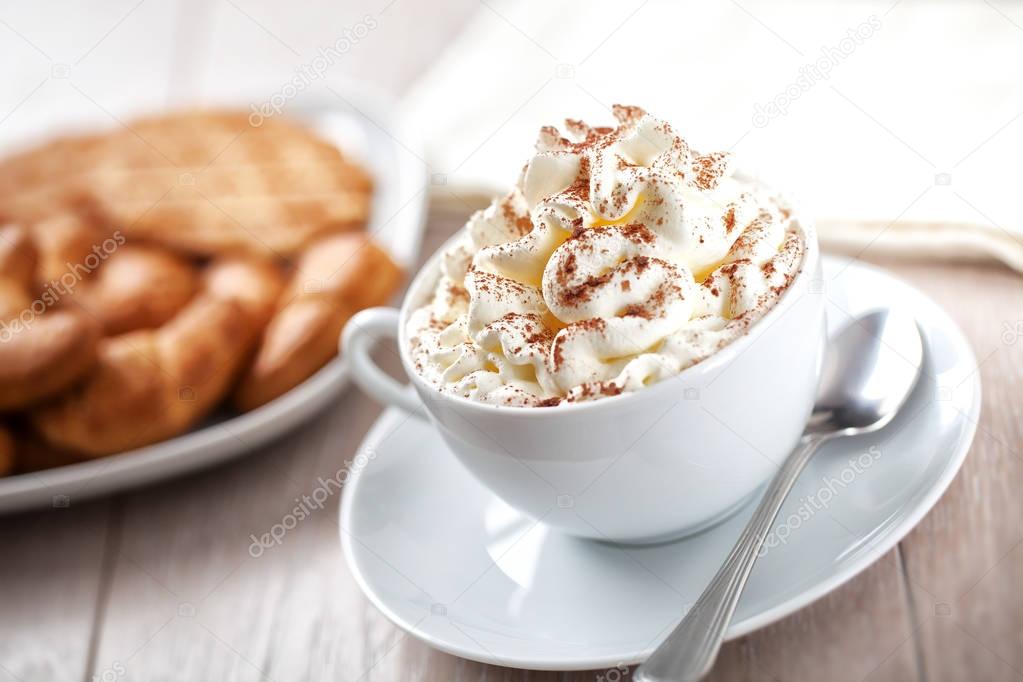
column 662, row 462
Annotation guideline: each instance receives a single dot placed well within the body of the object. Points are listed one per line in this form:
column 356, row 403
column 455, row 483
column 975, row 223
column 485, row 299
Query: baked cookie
column 207, row 183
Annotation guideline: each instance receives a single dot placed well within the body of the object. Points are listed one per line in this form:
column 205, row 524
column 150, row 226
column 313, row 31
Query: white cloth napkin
column 893, row 124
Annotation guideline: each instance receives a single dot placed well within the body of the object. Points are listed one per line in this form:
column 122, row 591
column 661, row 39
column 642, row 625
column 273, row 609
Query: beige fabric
column 909, row 144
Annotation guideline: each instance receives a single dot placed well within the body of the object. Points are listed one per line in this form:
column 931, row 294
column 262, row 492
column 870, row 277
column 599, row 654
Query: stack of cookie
column 151, row 274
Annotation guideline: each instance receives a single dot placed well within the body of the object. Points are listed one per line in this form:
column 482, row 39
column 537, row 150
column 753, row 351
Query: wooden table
column 158, row 584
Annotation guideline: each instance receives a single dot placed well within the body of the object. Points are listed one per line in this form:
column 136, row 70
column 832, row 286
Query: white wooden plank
column 50, row 581
column 965, row 560
column 862, row 631
column 190, row 600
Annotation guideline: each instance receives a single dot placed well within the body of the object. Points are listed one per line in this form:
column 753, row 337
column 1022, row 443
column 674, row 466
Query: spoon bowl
column 870, row 370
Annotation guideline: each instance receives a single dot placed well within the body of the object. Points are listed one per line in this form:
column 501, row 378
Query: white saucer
column 457, row 568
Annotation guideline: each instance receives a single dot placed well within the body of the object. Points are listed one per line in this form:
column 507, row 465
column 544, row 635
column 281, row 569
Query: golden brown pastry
column 301, row 339
column 44, row 358
column 204, row 182
column 113, row 335
column 253, row 282
column 336, row 277
column 42, row 351
column 65, row 242
column 151, row 385
column 17, row 271
column 45, row 181
column 14, row 300
column 137, row 287
column 18, row 257
column 268, row 211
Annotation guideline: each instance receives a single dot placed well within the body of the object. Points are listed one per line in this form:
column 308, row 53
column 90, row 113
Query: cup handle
column 357, row 340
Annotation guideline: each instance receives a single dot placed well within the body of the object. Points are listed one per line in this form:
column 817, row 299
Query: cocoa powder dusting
column 636, row 310
column 730, row 219
column 522, row 224
column 550, row 402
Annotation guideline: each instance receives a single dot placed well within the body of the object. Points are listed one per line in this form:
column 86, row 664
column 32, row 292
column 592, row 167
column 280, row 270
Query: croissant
column 335, row 277
column 150, row 385
column 42, row 351
column 69, row 246
column 136, row 287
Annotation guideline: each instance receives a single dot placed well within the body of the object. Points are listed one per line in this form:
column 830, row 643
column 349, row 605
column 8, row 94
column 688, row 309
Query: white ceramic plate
column 457, row 568
column 362, row 125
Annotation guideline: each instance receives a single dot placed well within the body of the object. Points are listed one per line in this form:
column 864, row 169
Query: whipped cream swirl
column 621, row 257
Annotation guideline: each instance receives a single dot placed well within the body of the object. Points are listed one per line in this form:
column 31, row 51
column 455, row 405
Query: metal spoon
column 869, row 371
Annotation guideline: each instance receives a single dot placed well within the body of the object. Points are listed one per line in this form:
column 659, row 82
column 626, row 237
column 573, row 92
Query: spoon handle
column 689, row 651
